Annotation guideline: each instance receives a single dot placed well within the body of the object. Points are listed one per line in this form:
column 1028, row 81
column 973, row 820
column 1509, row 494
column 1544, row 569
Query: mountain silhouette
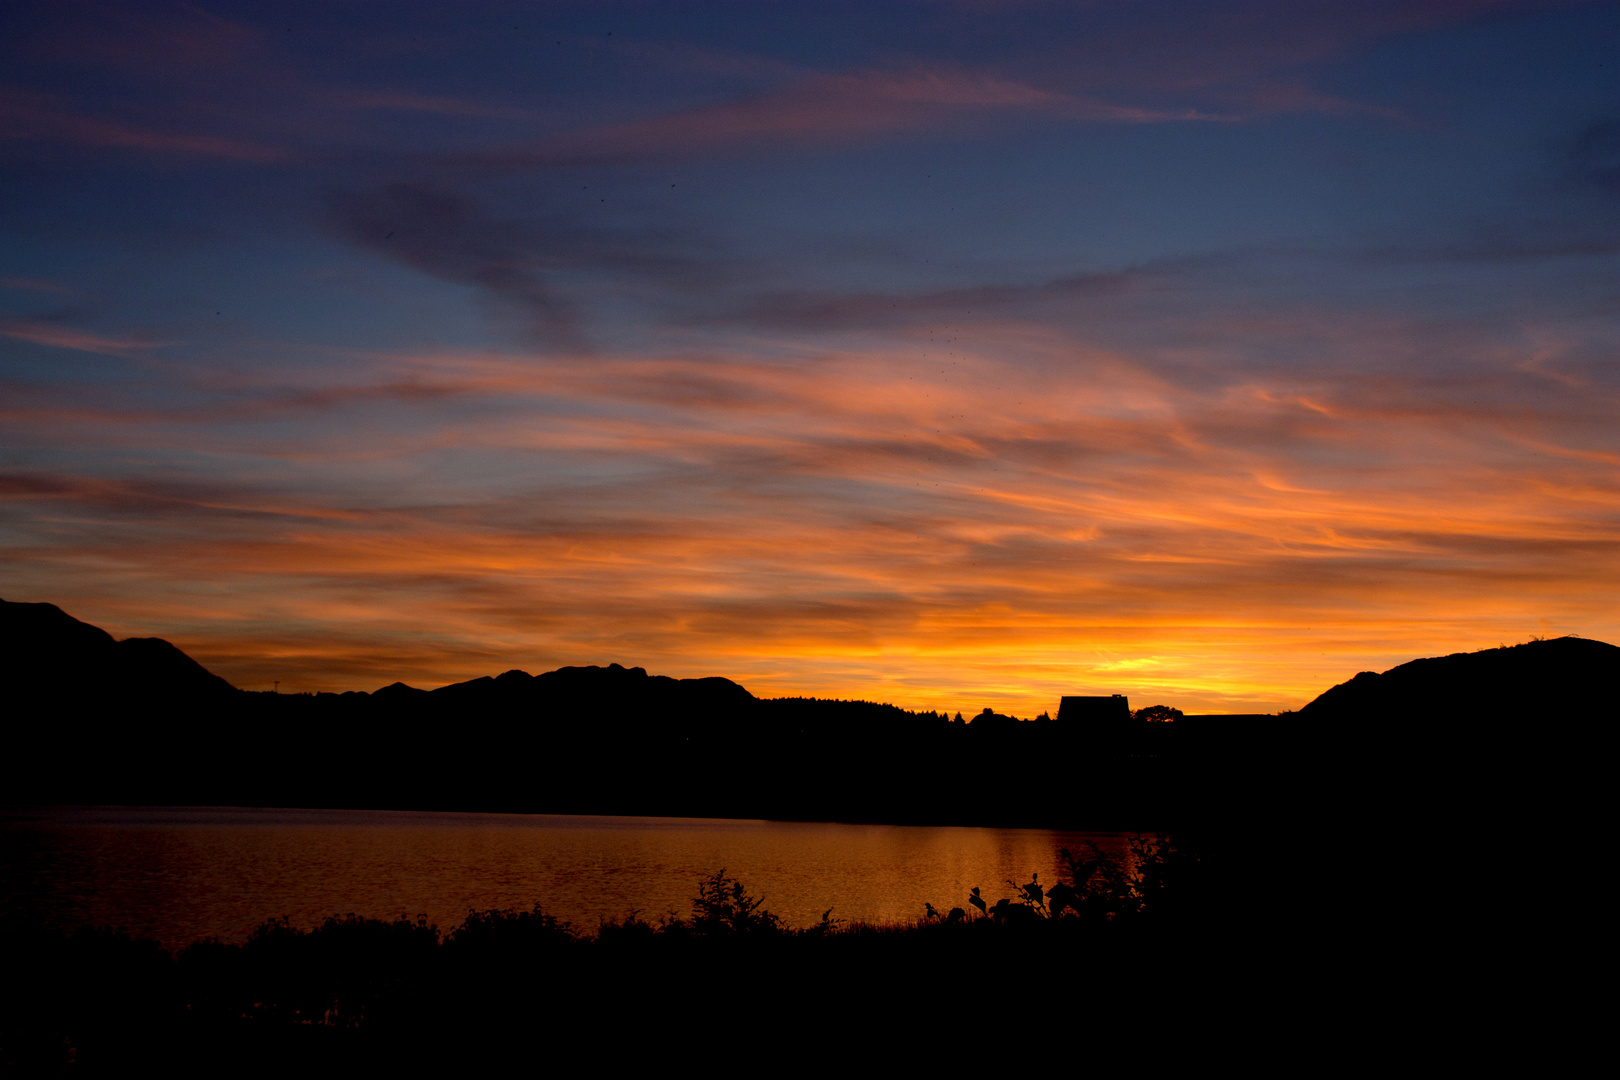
column 637, row 698
column 137, row 721
column 50, row 655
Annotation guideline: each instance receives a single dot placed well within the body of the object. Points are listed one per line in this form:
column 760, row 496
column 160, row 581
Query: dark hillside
column 1485, row 745
column 1566, row 677
column 50, row 657
column 97, row 721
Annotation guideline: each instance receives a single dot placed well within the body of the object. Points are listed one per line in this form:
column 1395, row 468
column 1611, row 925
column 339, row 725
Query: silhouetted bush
column 506, row 982
column 724, row 908
column 494, row 932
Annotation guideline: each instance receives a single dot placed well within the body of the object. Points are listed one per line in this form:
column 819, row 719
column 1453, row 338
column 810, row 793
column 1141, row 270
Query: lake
column 181, row 874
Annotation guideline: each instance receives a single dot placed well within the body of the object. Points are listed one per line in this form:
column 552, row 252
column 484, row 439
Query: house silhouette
column 1100, row 716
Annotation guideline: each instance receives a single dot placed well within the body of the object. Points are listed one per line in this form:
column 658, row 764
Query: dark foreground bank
column 1089, row 966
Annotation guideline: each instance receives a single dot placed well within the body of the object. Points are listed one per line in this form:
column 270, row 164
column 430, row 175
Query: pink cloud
column 153, row 41
column 829, row 109
column 62, row 337
column 39, row 120
column 406, row 101
column 1247, row 57
column 34, row 285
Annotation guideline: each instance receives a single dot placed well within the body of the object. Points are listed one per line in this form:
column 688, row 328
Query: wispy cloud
column 409, row 101
column 824, row 110
column 808, row 310
column 1217, row 381
column 26, row 117
column 541, row 263
column 58, row 336
column 35, row 285
column 191, row 84
column 813, row 521
column 1253, row 57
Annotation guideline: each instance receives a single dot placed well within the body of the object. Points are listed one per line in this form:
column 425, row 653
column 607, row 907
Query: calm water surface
column 183, row 874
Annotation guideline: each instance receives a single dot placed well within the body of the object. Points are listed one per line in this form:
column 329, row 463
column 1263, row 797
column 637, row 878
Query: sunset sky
column 947, row 354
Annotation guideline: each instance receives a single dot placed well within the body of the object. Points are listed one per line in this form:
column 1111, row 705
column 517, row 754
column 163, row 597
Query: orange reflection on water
column 183, row 874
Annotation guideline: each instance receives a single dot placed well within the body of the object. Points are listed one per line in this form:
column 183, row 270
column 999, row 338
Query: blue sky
column 947, row 354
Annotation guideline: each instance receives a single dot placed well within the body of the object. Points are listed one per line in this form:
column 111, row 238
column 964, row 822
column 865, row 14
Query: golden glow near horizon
column 999, row 522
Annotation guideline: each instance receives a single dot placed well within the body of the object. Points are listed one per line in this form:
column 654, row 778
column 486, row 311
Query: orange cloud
column 990, row 525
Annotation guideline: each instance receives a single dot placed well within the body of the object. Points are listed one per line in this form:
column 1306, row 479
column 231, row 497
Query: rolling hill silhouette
column 1485, row 744
column 1566, row 676
column 137, row 721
